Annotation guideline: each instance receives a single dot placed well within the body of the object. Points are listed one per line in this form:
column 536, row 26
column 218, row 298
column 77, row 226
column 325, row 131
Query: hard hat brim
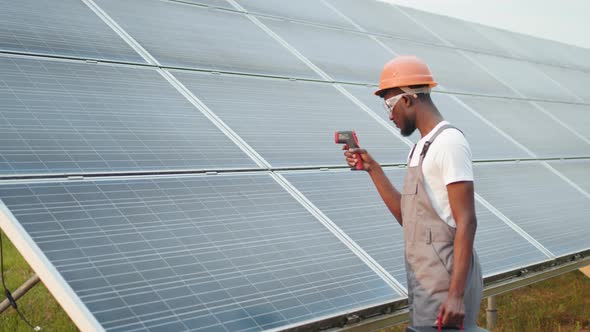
column 381, row 90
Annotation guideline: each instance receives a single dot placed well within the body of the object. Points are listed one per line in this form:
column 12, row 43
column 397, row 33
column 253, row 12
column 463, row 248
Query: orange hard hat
column 405, row 70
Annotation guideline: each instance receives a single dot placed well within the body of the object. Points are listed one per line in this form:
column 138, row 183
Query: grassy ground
column 561, row 304
column 38, row 305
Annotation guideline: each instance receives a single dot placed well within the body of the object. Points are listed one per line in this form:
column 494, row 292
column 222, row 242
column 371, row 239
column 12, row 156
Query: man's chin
column 407, row 133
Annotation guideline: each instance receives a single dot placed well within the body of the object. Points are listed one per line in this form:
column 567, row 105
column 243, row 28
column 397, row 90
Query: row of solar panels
column 264, row 250
column 69, row 117
column 190, row 36
column 68, row 28
column 239, row 253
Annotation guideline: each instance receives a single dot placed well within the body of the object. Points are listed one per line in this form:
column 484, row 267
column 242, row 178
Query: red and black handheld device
column 349, row 138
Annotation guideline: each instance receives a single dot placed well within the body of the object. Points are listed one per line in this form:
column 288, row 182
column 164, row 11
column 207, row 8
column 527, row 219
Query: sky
column 561, row 20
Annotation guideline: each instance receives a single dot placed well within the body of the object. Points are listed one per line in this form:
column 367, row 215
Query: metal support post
column 22, row 290
column 491, row 313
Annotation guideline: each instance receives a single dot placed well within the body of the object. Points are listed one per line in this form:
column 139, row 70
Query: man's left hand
column 452, row 311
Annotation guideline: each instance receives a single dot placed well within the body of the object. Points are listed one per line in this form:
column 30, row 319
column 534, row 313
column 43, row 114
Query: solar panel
column 542, row 135
column 542, row 204
column 63, row 28
column 344, row 55
column 184, row 35
column 453, row 71
column 537, row 49
column 71, row 117
column 513, row 44
column 205, row 253
column 520, row 74
column 577, row 56
column 542, row 50
column 485, row 142
column 575, row 116
column 459, row 33
column 505, row 40
column 291, row 123
column 382, row 18
column 350, row 200
column 315, row 11
column 211, row 3
column 240, row 250
column 574, row 80
column 575, row 170
column 365, row 95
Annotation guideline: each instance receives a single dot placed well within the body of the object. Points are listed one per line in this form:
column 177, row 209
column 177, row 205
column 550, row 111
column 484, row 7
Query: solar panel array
column 106, row 105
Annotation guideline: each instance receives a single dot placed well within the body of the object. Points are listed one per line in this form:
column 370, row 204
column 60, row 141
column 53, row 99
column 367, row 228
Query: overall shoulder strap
column 412, row 153
column 434, row 136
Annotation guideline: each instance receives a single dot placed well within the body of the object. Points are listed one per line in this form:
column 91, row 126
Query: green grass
column 38, row 305
column 560, row 304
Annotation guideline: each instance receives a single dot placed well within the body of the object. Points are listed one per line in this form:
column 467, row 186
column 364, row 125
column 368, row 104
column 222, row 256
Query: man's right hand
column 388, row 193
column 352, row 158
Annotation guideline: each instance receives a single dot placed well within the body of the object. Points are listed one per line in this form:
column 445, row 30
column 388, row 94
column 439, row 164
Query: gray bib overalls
column 429, row 252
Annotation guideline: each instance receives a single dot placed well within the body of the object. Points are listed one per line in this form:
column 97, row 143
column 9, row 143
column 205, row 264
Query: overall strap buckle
column 425, row 148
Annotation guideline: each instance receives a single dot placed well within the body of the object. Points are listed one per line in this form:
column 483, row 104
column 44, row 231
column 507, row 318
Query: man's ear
column 408, row 100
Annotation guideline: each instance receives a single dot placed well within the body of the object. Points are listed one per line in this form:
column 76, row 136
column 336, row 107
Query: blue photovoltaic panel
column 291, row 123
column 314, row 11
column 545, row 206
column 519, row 74
column 383, row 18
column 211, row 3
column 453, row 71
column 208, row 253
column 58, row 116
column 63, row 28
column 575, row 170
column 344, row 55
column 351, row 201
column 527, row 47
column 542, row 135
column 578, row 57
column 576, row 116
column 459, row 33
column 575, row 81
column 365, row 95
column 185, row 35
column 485, row 142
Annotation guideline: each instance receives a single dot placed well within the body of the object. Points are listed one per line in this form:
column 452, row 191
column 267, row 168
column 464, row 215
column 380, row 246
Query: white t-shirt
column 448, row 160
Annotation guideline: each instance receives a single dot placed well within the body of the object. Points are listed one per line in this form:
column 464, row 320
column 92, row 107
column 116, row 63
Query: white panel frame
column 54, row 282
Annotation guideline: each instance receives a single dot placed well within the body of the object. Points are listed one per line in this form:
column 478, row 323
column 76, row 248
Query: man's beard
column 408, row 129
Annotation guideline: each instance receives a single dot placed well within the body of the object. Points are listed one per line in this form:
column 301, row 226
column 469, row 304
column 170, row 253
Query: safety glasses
column 390, row 103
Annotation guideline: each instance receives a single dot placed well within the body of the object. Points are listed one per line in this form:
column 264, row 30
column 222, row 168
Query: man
column 436, row 205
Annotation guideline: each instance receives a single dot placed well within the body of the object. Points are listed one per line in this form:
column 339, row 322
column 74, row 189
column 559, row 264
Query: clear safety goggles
column 389, row 104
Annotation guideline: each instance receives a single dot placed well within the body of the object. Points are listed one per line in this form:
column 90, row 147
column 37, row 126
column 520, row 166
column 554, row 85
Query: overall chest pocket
column 408, row 208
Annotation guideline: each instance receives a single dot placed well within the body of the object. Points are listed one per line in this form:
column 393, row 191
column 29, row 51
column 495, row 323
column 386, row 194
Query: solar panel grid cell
column 350, row 200
column 190, row 36
column 237, row 252
column 314, row 11
column 61, row 28
column 290, row 123
column 382, row 18
column 542, row 135
column 234, row 252
column 336, row 52
column 75, row 117
column 538, row 201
